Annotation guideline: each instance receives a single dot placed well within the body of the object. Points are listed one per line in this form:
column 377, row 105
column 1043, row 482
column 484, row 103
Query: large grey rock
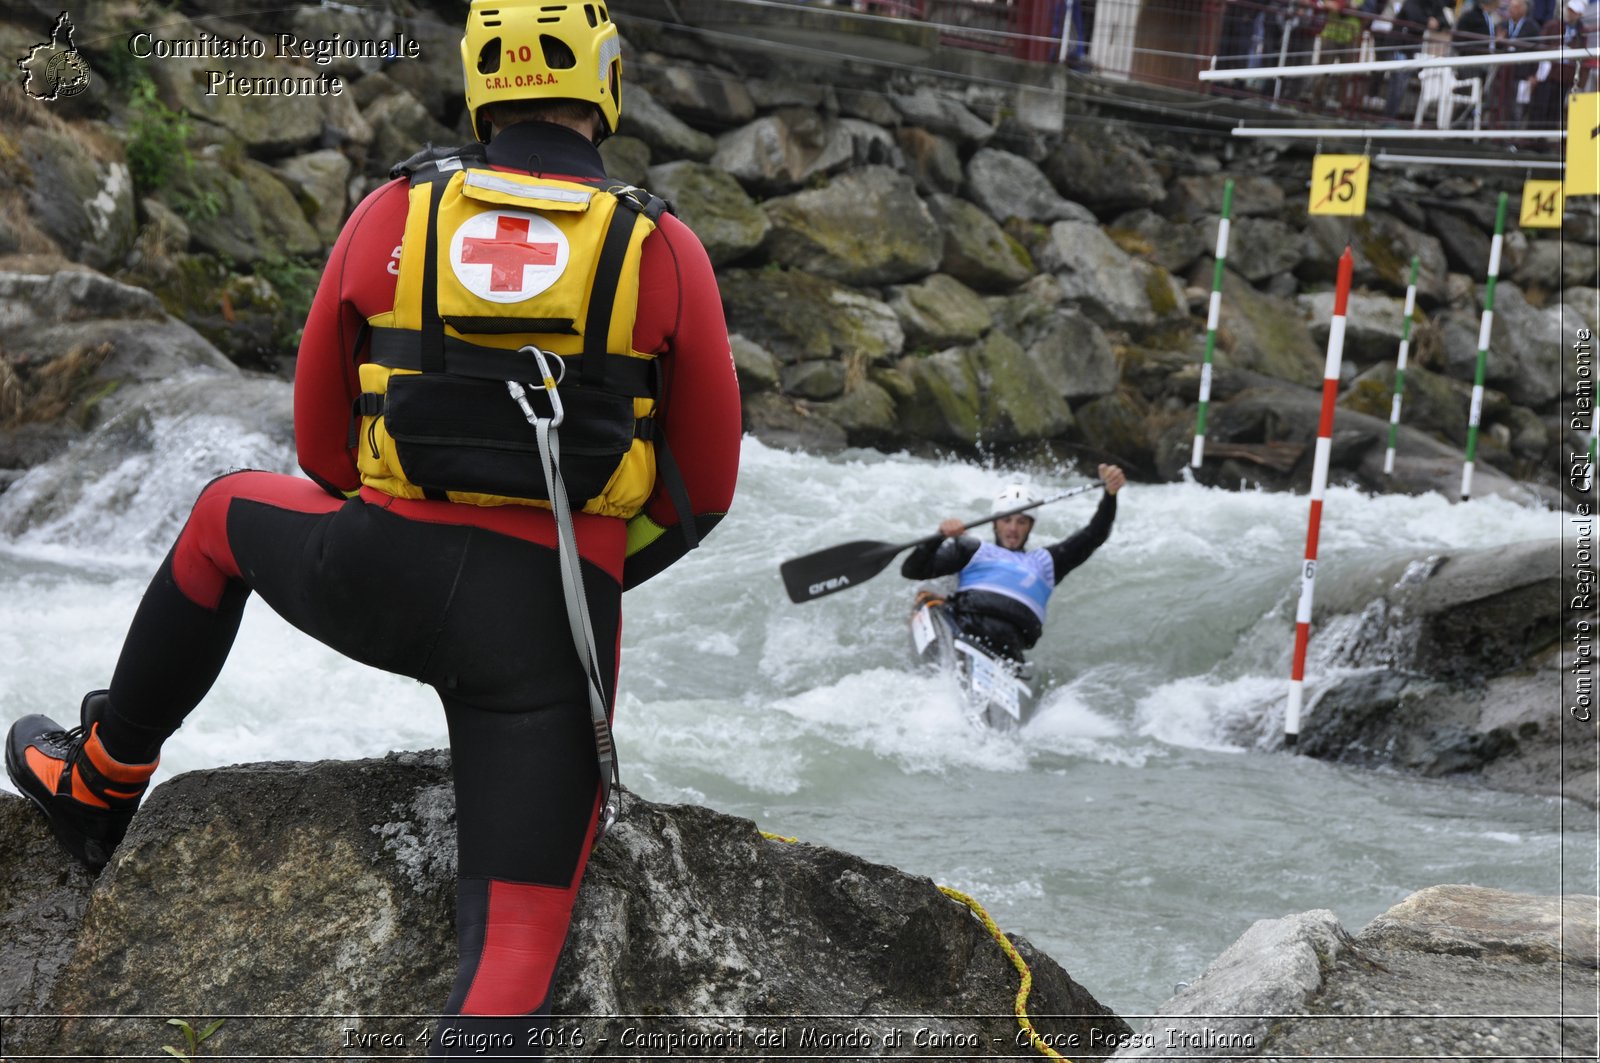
column 1274, row 969
column 757, row 369
column 1070, row 350
column 42, row 901
column 1460, row 659
column 1466, row 245
column 434, row 77
column 401, row 124
column 1008, row 186
column 1172, row 245
column 1381, row 248
column 265, row 124
column 799, row 316
column 1266, row 334
column 1374, row 324
column 1430, row 402
column 713, row 204
column 77, row 346
column 1551, row 266
column 932, row 160
column 782, row 151
column 1277, row 427
column 669, row 136
column 1510, row 731
column 248, row 213
column 1512, row 955
column 1120, row 426
column 1525, row 347
column 1301, row 987
column 1260, row 248
column 939, row 113
column 939, row 311
column 1104, row 173
column 989, row 392
column 701, row 94
column 977, row 251
column 320, row 179
column 82, row 202
column 346, row 871
column 1110, row 285
column 865, row 227
column 626, row 159
column 1197, row 196
column 867, row 413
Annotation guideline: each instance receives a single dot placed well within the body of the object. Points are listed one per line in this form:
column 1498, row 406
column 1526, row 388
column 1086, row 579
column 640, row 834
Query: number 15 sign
column 1339, row 184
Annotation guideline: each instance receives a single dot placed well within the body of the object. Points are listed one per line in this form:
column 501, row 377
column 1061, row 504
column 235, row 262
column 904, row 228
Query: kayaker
column 422, row 540
column 1004, row 587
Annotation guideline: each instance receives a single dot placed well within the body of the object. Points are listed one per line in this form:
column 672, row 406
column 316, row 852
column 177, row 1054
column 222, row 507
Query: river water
column 1128, row 830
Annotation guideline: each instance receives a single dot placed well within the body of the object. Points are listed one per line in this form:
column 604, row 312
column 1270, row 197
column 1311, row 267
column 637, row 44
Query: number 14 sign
column 1339, row 185
column 1541, row 204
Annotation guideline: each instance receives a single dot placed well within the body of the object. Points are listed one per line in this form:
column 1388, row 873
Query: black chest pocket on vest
column 455, row 433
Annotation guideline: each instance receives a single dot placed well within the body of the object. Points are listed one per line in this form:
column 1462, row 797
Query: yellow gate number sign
column 1583, row 144
column 1541, row 205
column 1339, row 184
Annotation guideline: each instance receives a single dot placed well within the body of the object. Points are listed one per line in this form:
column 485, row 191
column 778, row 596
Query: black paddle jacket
column 1003, row 623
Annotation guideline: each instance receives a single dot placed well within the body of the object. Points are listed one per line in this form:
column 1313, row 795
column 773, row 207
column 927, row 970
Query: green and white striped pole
column 1400, row 369
column 1476, row 414
column 1212, row 317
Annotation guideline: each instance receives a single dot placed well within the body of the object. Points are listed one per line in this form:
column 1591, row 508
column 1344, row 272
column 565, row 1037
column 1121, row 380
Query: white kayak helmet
column 1014, row 496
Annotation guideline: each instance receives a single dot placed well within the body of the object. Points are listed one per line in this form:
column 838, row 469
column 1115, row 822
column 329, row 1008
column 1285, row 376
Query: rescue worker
column 1004, row 588
column 409, row 549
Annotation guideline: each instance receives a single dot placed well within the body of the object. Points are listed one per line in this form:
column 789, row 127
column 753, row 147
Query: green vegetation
column 158, row 148
column 295, row 281
column 192, row 1038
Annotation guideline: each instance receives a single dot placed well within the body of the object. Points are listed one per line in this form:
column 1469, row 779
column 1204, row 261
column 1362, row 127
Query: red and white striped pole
column 1319, row 485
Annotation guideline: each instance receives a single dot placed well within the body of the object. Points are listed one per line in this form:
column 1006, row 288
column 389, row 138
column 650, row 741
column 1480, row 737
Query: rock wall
column 907, row 260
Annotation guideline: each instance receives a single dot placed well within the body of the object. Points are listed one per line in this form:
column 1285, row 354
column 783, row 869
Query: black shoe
column 87, row 796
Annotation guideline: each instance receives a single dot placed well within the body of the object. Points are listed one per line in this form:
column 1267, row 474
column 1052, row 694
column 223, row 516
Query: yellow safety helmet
column 539, row 50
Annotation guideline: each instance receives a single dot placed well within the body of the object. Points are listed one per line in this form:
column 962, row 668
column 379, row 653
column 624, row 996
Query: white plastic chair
column 1441, row 88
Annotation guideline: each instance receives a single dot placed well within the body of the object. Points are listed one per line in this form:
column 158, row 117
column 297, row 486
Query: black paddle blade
column 835, row 569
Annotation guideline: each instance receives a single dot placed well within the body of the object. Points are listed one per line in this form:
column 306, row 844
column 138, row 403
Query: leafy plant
column 158, row 148
column 193, row 1038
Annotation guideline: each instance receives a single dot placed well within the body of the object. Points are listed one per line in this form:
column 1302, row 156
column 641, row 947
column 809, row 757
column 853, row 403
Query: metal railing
column 1169, row 42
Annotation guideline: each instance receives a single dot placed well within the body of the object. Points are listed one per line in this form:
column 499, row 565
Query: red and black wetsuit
column 465, row 598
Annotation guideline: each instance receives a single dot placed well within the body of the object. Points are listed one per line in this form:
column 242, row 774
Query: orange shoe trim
column 113, row 769
column 46, row 769
column 82, row 793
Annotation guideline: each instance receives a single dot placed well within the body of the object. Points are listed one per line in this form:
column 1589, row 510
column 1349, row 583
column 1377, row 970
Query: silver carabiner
column 541, row 358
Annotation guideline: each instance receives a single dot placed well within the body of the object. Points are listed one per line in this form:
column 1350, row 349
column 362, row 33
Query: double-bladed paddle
column 840, row 567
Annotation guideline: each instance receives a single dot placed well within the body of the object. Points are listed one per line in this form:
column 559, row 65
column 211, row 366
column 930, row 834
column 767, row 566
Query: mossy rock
column 722, row 215
column 799, row 316
column 865, row 227
column 940, row 311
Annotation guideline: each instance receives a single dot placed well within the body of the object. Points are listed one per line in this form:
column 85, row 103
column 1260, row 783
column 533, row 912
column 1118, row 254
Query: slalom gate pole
column 1476, row 413
column 1211, row 326
column 1319, row 485
column 1400, row 369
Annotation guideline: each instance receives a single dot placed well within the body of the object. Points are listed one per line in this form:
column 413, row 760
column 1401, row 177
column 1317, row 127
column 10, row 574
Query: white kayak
column 992, row 689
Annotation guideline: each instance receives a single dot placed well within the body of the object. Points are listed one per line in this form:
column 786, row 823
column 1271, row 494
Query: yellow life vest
column 490, row 263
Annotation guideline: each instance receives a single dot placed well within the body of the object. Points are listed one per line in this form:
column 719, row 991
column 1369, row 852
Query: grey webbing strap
column 572, row 583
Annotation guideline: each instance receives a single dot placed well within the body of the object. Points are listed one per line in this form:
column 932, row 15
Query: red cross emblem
column 508, row 253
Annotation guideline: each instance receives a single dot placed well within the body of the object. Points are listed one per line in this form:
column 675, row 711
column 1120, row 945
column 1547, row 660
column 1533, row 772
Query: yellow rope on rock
column 1020, row 1008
